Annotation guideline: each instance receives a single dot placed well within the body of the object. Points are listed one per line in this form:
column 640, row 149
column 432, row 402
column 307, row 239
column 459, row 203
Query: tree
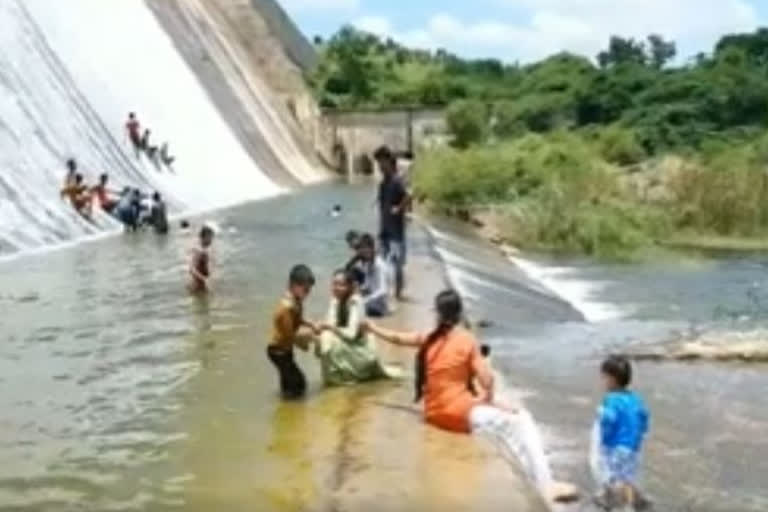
column 622, row 51
column 467, row 121
column 660, row 51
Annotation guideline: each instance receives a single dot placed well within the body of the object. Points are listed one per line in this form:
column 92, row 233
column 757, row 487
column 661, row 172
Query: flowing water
column 122, row 392
column 70, row 72
column 707, row 449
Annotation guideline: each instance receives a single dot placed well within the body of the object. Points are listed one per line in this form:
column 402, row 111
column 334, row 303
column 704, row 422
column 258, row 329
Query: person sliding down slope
column 133, row 130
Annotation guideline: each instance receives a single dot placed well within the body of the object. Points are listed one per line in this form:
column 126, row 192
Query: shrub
column 620, row 146
column 467, row 121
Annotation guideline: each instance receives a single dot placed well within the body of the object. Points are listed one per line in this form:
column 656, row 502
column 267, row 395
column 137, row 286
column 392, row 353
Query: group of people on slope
column 141, row 144
column 130, row 206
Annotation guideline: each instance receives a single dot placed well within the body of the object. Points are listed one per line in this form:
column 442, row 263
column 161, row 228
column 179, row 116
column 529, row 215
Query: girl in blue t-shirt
column 620, row 429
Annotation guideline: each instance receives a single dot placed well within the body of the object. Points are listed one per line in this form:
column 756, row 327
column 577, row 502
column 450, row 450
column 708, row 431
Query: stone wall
column 357, row 134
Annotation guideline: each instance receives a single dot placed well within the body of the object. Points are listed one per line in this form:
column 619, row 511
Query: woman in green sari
column 347, row 354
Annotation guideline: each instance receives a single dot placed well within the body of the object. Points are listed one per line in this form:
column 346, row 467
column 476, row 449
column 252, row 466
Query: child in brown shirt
column 289, row 329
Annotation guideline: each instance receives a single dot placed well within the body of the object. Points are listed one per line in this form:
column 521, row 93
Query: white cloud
column 309, row 5
column 580, row 26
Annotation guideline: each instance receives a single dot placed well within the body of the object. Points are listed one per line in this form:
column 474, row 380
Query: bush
column 467, row 121
column 620, row 146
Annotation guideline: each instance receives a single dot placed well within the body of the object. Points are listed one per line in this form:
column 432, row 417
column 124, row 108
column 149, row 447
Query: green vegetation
column 604, row 157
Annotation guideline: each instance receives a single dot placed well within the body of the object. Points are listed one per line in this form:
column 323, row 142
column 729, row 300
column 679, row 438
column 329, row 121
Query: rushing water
column 707, row 449
column 121, row 392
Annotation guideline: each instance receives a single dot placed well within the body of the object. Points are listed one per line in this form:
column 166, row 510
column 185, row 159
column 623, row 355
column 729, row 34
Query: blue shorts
column 619, row 465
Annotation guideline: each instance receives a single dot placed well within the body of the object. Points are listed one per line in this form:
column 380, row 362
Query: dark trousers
column 292, row 381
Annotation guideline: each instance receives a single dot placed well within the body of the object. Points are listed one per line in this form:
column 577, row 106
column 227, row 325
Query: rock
column 563, row 492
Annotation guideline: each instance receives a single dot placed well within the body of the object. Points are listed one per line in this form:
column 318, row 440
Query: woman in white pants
column 448, row 360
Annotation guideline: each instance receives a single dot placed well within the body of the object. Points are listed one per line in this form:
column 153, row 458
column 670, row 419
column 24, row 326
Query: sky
column 527, row 30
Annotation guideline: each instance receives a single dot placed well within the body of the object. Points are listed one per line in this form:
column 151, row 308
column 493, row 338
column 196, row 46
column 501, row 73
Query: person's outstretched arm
column 401, row 338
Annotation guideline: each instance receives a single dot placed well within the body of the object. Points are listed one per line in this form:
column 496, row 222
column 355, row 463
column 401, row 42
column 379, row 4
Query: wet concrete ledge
column 388, row 459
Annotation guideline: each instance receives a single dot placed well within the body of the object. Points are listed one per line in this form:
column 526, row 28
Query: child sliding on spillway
column 448, row 359
column 619, row 432
column 289, row 329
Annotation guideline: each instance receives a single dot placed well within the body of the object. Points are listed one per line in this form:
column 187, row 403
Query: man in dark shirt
column 393, row 202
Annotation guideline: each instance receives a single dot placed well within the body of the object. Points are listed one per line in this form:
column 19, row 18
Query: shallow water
column 122, row 392
column 707, row 449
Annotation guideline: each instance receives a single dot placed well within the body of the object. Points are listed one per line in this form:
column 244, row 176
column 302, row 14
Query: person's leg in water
column 515, row 434
column 397, row 260
column 293, row 384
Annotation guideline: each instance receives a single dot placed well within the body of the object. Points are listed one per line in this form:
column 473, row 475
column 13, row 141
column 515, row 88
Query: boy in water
column 199, row 266
column 289, row 329
column 623, row 423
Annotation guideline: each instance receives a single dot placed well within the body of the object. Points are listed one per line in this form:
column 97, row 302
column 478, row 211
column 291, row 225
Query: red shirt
column 133, row 128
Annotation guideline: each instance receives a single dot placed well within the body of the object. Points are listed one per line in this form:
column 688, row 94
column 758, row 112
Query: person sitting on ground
column 101, row 193
column 621, row 426
column 165, row 155
column 200, row 263
column 146, row 145
column 158, row 215
column 374, row 288
column 78, row 196
column 347, row 354
column 289, row 330
column 133, row 130
column 448, row 358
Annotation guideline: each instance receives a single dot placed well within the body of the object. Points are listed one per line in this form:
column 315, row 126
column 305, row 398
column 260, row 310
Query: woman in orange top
column 448, row 359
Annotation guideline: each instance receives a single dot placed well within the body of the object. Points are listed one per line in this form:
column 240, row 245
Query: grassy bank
column 567, row 191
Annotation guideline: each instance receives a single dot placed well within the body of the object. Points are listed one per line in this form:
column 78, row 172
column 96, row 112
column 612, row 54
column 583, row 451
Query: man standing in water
column 393, row 203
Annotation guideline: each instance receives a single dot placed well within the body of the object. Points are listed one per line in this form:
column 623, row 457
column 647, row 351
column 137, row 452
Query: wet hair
column 206, row 232
column 352, row 237
column 301, row 275
column 184, row 224
column 78, row 178
column 104, row 177
column 485, row 350
column 157, row 197
column 618, row 368
column 350, row 279
column 131, row 115
column 72, row 165
column 366, row 241
column 337, row 207
column 449, row 310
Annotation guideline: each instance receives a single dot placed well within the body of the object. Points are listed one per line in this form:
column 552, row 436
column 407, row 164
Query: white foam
column 564, row 282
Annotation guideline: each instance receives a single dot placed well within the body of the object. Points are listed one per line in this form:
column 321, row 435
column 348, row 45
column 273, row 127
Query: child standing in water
column 289, row 329
column 199, row 266
column 621, row 426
